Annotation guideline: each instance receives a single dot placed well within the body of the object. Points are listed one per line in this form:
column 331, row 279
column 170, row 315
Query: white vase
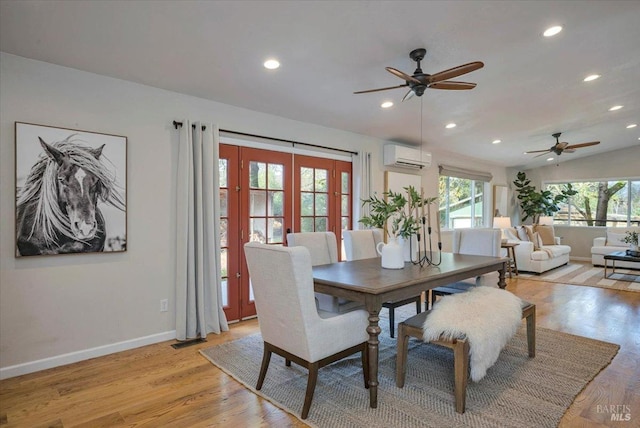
column 392, row 253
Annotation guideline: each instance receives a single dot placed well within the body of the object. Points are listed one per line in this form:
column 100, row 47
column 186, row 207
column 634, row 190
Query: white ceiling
column 529, row 88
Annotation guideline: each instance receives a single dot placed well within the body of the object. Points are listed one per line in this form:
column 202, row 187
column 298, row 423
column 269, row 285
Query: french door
column 264, row 194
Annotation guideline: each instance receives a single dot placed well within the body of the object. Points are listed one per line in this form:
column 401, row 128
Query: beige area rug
column 586, row 274
column 517, row 391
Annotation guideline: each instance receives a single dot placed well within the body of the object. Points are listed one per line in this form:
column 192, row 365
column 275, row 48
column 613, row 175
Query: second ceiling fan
column 558, row 148
column 419, row 81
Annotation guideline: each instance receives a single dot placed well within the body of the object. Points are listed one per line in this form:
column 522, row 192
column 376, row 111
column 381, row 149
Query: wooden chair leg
column 365, row 364
column 311, row 386
column 266, row 357
column 461, row 372
column 401, row 355
column 392, row 321
column 531, row 332
column 419, row 304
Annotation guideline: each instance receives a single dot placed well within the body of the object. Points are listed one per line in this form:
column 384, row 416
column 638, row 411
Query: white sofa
column 545, row 258
column 610, row 243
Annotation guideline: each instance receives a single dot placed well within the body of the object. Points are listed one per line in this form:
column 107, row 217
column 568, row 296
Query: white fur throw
column 487, row 317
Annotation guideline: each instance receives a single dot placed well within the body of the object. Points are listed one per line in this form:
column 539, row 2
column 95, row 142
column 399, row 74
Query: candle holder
column 423, row 235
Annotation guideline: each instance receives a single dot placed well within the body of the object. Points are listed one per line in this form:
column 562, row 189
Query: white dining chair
column 323, row 248
column 362, row 244
column 477, row 242
column 290, row 324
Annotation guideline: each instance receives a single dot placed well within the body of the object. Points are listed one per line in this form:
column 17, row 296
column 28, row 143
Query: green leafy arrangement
column 631, row 237
column 535, row 204
column 399, row 208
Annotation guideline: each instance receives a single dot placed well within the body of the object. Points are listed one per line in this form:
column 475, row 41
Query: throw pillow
column 530, row 232
column 546, row 234
column 522, row 234
column 615, row 239
column 537, row 241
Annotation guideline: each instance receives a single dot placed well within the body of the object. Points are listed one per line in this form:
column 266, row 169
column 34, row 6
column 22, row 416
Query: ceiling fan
column 420, row 81
column 558, row 148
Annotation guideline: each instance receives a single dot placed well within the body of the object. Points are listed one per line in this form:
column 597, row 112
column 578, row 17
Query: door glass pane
column 276, row 203
column 321, row 180
column 223, row 232
column 321, row 204
column 223, row 202
column 257, row 203
column 345, row 223
column 306, row 179
column 258, row 230
column 224, row 274
column 345, row 183
column 275, row 230
column 321, row 224
column 344, row 205
column 306, row 204
column 276, row 176
column 222, row 172
column 257, row 175
column 306, row 224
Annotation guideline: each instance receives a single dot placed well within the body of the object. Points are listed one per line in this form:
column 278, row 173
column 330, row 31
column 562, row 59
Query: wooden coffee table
column 620, row 256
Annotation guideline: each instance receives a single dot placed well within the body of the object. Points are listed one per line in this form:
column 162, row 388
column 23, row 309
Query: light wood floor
column 159, row 386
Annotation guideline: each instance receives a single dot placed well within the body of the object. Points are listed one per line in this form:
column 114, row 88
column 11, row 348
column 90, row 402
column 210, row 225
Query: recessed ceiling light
column 614, row 108
column 450, row 125
column 549, row 159
column 496, row 142
column 591, row 77
column 386, row 104
column 633, row 125
column 552, row 31
column 271, row 64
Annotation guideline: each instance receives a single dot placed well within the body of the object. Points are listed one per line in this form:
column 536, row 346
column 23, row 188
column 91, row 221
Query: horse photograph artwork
column 70, row 191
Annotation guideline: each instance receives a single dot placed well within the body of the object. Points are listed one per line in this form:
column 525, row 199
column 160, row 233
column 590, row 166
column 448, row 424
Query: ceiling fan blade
column 562, row 146
column 450, row 84
column 569, row 151
column 577, row 146
column 402, row 75
column 537, row 151
column 382, row 89
column 542, row 154
column 408, row 95
column 455, row 72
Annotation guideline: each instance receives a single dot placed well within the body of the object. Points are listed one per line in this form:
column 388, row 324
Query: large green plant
column 535, row 204
column 397, row 208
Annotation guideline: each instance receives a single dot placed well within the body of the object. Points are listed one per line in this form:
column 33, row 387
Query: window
column 611, row 203
column 462, row 197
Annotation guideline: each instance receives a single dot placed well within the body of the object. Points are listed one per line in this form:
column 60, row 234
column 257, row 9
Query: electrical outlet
column 164, row 305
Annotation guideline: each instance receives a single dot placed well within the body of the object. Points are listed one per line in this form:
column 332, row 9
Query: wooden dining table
column 366, row 281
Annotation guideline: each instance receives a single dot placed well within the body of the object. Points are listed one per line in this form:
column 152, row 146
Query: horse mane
column 40, row 187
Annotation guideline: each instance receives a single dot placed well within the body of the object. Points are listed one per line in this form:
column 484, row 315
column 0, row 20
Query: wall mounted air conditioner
column 405, row 157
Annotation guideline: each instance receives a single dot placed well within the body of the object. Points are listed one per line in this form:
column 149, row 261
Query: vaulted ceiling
column 529, row 88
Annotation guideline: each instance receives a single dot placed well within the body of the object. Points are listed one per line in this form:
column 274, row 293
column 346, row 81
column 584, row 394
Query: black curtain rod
column 176, row 124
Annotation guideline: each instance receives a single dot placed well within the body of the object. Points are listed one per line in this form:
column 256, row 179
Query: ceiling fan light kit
column 420, row 81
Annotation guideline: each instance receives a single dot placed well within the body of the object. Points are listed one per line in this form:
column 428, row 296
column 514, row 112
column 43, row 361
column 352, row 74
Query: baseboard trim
column 580, row 259
column 85, row 354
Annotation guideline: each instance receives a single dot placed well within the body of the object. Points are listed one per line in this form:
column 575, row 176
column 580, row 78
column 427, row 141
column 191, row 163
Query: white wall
column 59, row 309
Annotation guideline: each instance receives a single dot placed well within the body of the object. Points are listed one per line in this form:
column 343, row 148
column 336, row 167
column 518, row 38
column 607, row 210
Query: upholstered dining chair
column 290, row 324
column 361, row 244
column 476, row 242
column 323, row 248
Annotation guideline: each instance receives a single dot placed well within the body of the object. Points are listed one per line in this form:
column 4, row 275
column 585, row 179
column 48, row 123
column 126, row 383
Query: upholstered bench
column 413, row 327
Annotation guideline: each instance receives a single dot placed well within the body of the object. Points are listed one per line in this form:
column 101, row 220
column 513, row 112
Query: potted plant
column 535, row 204
column 631, row 238
column 397, row 214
